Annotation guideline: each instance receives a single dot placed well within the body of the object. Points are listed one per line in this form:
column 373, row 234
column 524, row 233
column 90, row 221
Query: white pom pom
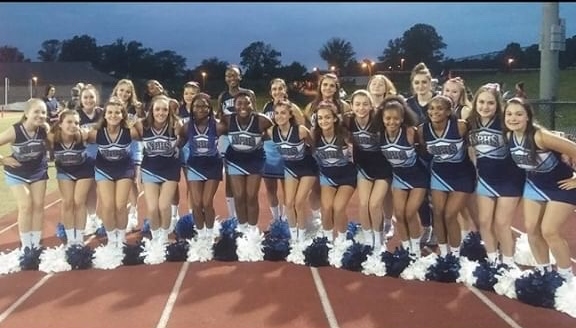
column 54, row 260
column 565, row 298
column 523, row 254
column 297, row 249
column 417, row 270
column 374, row 265
column 10, row 262
column 107, row 257
column 250, row 246
column 154, row 251
column 506, row 279
column 466, row 272
column 336, row 253
column 200, row 249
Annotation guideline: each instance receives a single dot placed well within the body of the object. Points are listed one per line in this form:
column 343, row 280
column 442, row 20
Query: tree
column 80, row 48
column 10, row 54
column 50, row 51
column 292, row 72
column 126, row 60
column 259, row 60
column 511, row 57
column 337, row 52
column 214, row 68
column 418, row 44
column 393, row 55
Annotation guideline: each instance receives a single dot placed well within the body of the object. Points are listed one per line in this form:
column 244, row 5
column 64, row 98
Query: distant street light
column 402, row 64
column 333, row 68
column 510, row 62
column 367, row 63
column 35, row 79
column 204, row 80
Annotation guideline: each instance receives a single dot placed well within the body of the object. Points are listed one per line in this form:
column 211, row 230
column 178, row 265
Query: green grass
column 8, row 201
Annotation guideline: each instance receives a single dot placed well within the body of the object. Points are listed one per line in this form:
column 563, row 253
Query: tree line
column 261, row 61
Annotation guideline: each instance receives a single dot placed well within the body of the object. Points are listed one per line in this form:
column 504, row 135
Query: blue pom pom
column 446, row 269
column 228, row 227
column 279, row 229
column 101, row 232
column 538, row 288
column 177, row 251
column 473, row 248
column 184, row 228
column 30, row 259
column 133, row 254
column 276, row 243
column 79, row 257
column 486, row 273
column 354, row 256
column 316, row 255
column 61, row 232
column 146, row 230
column 396, row 262
column 352, row 229
column 225, row 248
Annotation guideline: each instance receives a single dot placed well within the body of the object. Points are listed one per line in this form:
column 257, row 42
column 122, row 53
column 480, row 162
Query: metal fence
column 556, row 115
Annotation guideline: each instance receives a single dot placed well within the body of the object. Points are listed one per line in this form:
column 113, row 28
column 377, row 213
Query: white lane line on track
column 24, row 297
column 328, row 311
column 163, row 322
column 16, row 223
column 498, row 311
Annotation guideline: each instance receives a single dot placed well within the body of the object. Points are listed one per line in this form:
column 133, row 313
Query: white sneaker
column 173, row 221
column 132, row 222
column 389, row 230
column 91, row 225
column 426, row 235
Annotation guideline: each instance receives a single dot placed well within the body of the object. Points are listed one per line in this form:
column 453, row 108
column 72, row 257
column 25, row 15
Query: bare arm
column 136, row 131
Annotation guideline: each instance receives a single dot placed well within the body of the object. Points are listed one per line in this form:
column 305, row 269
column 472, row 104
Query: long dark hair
column 340, row 132
column 531, row 126
column 396, row 103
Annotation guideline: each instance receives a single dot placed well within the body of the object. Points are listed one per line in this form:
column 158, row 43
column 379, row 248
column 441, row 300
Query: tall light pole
column 204, row 80
column 35, row 80
column 367, row 63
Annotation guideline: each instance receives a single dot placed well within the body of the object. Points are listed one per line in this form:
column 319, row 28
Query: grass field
column 8, row 201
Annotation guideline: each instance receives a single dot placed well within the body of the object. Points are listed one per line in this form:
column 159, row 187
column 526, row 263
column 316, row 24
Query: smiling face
column 452, row 90
column 36, row 113
column 361, row 105
column 200, row 109
column 154, row 88
column 439, row 110
column 328, row 88
column 278, row 91
column 114, row 114
column 88, row 99
column 232, row 77
column 124, row 92
column 243, row 105
column 326, row 119
column 392, row 119
column 160, row 111
column 282, row 114
column 486, row 105
column 516, row 117
column 377, row 87
column 421, row 84
column 69, row 123
column 189, row 93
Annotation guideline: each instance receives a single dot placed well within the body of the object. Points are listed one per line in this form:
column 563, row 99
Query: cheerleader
column 453, row 175
column 245, row 158
column 114, row 169
column 293, row 142
column 411, row 178
column 203, row 163
column 500, row 181
column 75, row 173
column 90, row 114
column 26, row 170
column 550, row 187
column 374, row 170
column 332, row 143
column 160, row 164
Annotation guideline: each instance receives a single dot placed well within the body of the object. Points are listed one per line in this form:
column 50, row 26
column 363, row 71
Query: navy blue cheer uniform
column 87, row 122
column 160, row 162
column 297, row 156
column 72, row 162
column 274, row 165
column 245, row 155
column 335, row 162
column 114, row 159
column 30, row 152
column 370, row 161
column 204, row 161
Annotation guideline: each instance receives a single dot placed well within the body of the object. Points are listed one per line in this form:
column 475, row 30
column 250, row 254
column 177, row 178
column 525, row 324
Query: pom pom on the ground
column 133, row 253
column 10, row 261
column 146, row 231
column 61, row 232
column 523, row 254
column 178, row 251
column 353, row 230
column 374, row 265
column 30, row 258
column 506, row 281
column 154, row 251
column 297, row 249
column 487, row 275
column 446, row 269
column 538, row 288
column 80, row 257
column 565, row 298
column 336, row 253
column 354, row 256
column 101, row 232
column 201, row 250
column 276, row 244
column 54, row 260
column 418, row 269
column 396, row 262
column 249, row 246
column 316, row 254
column 185, row 227
column 108, row 257
column 473, row 248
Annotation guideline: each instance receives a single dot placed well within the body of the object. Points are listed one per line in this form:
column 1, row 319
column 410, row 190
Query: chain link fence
column 556, row 115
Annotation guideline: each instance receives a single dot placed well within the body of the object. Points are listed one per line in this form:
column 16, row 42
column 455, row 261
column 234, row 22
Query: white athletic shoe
column 132, row 224
column 389, row 230
column 91, row 224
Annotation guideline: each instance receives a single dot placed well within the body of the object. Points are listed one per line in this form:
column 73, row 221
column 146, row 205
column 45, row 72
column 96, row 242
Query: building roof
column 53, row 72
